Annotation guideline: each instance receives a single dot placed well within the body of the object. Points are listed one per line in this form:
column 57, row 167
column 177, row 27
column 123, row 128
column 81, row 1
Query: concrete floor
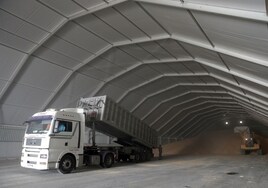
column 178, row 172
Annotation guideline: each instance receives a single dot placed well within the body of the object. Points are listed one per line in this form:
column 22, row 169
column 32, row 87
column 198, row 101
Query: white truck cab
column 51, row 136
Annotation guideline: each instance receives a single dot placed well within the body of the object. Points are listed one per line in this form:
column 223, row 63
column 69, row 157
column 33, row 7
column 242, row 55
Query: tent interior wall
column 183, row 67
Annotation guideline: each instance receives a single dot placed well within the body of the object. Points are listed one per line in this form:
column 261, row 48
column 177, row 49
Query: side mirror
column 26, row 123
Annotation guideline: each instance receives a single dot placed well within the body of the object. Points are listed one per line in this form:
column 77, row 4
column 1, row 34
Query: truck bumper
column 255, row 147
column 36, row 159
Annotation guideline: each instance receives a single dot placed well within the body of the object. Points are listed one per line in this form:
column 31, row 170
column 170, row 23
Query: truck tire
column 137, row 158
column 143, row 156
column 108, row 160
column 66, row 165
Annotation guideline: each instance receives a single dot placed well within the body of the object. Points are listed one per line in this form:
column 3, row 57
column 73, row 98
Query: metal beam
column 167, row 89
column 23, row 61
column 164, row 90
column 206, row 118
column 170, row 119
column 249, row 78
column 190, row 107
column 209, row 98
column 180, row 95
column 204, row 110
column 68, row 76
column 239, row 13
column 155, row 79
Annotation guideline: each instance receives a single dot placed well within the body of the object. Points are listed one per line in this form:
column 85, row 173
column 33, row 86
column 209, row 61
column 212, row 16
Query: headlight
column 43, row 156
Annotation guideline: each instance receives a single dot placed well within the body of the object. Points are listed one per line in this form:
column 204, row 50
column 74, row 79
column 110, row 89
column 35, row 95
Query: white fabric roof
column 181, row 66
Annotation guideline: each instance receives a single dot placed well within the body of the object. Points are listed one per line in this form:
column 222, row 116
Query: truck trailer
column 57, row 139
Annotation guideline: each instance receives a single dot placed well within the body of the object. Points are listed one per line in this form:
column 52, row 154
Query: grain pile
column 224, row 142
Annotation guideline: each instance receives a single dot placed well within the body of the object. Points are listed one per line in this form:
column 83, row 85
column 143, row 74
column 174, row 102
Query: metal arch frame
column 196, row 130
column 244, row 14
column 23, row 61
column 137, row 65
column 203, row 118
column 194, row 106
column 181, row 75
column 220, row 116
column 158, row 78
column 198, row 60
column 177, row 85
column 222, row 108
column 176, row 131
column 208, row 126
column 171, row 98
column 235, row 98
column 200, row 125
column 192, row 125
column 184, row 102
column 177, row 96
column 200, row 119
column 259, row 110
column 85, row 62
column 253, row 111
column 100, row 53
column 10, row 81
column 183, row 94
column 212, row 75
column 165, row 90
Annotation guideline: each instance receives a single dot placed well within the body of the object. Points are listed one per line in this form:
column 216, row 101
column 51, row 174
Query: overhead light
column 226, row 123
column 240, row 122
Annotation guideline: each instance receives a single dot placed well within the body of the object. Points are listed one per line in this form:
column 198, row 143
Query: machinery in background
column 249, row 142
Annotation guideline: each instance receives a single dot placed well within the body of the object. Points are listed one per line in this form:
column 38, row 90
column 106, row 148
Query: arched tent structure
column 181, row 66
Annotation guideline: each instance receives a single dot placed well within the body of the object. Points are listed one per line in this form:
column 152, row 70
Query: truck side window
column 64, row 126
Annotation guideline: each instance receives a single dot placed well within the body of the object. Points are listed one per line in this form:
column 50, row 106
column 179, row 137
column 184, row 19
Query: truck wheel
column 67, row 164
column 143, row 156
column 108, row 161
column 137, row 158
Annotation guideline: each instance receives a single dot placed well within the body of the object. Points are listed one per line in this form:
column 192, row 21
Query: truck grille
column 33, row 142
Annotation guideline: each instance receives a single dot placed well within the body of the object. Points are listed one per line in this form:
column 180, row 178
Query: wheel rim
column 67, row 164
column 108, row 160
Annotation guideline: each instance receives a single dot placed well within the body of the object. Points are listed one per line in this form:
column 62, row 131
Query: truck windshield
column 39, row 125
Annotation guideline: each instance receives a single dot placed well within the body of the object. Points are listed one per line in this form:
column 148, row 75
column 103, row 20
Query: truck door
column 67, row 134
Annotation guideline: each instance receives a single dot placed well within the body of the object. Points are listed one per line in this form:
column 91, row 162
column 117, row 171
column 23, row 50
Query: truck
column 59, row 139
column 249, row 142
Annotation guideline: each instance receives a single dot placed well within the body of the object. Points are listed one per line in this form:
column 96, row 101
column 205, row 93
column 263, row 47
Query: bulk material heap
column 67, row 138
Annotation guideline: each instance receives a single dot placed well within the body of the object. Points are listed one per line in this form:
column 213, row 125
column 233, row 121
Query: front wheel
column 67, row 164
column 108, row 161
